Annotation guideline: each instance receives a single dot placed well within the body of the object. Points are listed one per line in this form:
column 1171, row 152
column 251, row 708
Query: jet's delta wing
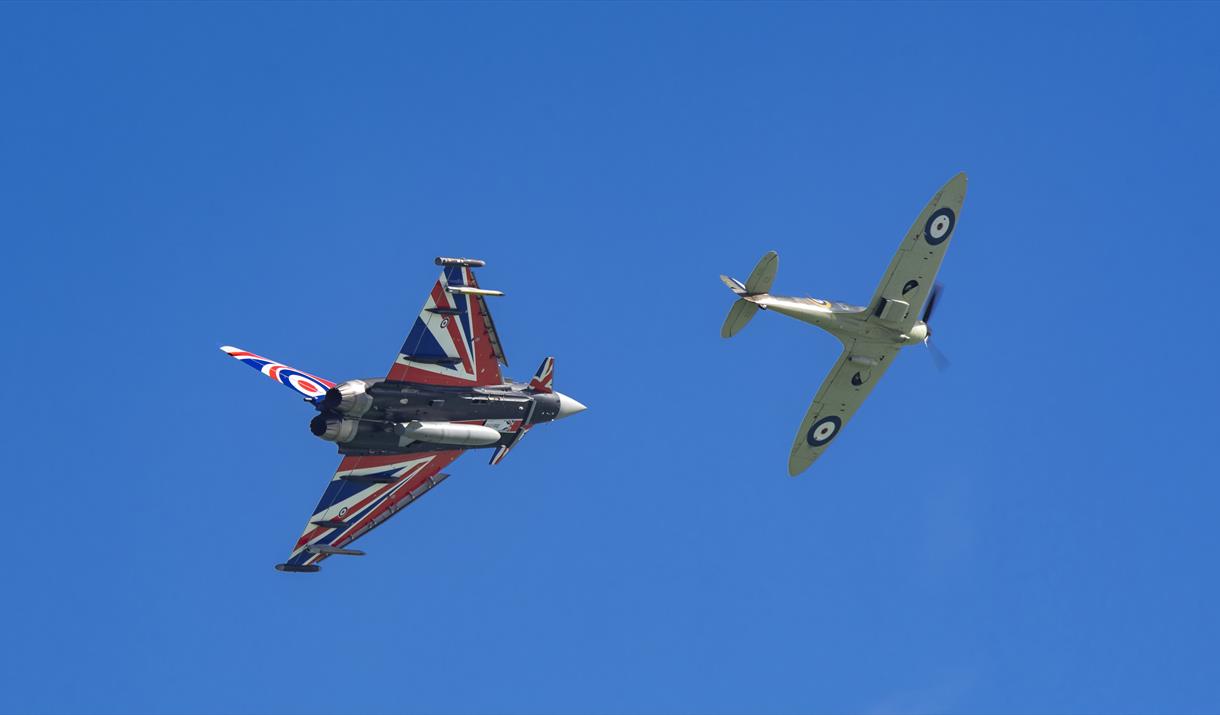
column 364, row 492
column 453, row 340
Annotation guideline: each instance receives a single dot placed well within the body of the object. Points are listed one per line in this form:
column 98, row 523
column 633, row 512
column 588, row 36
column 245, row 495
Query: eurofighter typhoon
column 443, row 395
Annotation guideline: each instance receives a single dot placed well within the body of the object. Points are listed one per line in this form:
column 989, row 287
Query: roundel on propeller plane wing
column 823, row 431
column 939, row 226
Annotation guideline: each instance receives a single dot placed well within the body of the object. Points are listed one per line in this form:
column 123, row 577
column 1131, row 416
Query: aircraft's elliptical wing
column 364, row 492
column 453, row 340
column 850, row 380
column 912, row 272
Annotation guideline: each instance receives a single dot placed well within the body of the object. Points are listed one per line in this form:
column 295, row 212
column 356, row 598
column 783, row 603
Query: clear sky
column 1033, row 531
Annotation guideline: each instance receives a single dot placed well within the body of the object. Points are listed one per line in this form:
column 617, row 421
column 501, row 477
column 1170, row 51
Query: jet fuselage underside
column 501, row 407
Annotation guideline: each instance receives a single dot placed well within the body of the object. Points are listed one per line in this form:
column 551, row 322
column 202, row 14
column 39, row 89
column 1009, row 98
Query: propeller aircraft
column 871, row 335
column 443, row 395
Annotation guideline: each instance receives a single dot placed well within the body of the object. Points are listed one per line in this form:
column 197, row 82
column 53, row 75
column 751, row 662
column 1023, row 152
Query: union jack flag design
column 453, row 340
column 398, row 435
column 544, row 377
column 364, row 492
column 502, row 450
column 311, row 386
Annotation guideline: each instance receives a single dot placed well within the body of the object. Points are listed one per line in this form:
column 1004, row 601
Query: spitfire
column 871, row 335
column 443, row 395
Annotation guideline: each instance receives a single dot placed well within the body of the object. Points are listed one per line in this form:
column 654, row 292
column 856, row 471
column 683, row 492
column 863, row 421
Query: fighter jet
column 871, row 335
column 443, row 395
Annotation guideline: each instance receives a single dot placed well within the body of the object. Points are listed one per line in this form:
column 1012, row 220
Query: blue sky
column 1033, row 531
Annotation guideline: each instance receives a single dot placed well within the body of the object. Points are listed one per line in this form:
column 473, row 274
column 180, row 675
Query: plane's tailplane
column 758, row 283
column 739, row 315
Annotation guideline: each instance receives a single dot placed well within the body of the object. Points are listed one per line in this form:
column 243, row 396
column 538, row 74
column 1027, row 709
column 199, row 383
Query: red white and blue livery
column 443, row 395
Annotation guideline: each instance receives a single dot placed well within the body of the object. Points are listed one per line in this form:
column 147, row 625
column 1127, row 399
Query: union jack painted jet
column 871, row 335
column 444, row 394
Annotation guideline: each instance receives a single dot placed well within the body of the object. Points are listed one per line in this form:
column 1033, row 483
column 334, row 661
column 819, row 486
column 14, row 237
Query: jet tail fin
column 758, row 283
column 544, row 376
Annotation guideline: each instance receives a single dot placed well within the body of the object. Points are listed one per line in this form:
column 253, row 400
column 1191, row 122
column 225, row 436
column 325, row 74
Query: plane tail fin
column 544, row 376
column 758, row 283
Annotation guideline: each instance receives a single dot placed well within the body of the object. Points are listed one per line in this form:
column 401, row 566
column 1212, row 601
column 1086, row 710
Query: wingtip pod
column 295, row 568
column 467, row 262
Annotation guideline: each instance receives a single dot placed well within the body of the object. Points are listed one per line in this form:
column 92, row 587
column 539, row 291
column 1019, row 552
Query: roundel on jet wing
column 823, row 431
column 939, row 226
column 305, row 385
column 297, row 380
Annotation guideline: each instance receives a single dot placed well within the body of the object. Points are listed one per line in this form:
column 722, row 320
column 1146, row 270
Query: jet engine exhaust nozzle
column 351, row 398
column 334, row 429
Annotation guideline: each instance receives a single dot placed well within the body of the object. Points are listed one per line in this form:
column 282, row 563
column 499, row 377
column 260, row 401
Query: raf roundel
column 823, row 431
column 304, row 385
column 300, row 382
column 939, row 226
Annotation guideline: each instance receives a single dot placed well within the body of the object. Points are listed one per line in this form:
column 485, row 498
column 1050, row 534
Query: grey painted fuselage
column 378, row 427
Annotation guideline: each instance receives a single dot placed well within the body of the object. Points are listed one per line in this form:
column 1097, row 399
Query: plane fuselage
column 402, row 417
column 844, row 321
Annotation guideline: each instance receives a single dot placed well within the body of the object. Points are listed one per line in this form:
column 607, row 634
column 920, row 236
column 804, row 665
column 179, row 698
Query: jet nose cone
column 568, row 406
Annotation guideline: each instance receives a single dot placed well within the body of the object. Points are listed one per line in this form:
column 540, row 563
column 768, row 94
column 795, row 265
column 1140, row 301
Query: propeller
column 938, row 357
column 932, row 298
